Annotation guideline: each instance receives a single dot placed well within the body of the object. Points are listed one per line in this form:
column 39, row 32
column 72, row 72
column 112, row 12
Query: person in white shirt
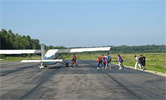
column 136, row 63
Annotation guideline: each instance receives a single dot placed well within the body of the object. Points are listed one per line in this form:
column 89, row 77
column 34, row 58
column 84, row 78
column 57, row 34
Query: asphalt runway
column 22, row 81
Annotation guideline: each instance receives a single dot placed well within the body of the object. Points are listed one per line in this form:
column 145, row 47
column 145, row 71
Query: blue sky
column 86, row 23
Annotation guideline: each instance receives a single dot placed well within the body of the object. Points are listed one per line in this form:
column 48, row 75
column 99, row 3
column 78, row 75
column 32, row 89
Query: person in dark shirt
column 140, row 62
column 143, row 63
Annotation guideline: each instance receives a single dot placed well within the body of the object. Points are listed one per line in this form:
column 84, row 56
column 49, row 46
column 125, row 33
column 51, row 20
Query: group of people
column 105, row 62
column 140, row 61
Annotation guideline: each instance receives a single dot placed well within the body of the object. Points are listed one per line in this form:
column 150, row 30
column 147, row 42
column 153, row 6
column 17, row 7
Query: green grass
column 20, row 58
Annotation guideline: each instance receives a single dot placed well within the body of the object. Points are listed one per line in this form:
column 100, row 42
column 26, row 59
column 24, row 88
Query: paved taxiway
column 22, row 81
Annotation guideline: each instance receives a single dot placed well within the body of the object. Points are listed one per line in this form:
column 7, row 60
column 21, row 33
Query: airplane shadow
column 57, row 67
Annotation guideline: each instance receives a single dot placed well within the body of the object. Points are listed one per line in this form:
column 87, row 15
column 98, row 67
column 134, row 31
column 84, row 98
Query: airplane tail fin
column 42, row 51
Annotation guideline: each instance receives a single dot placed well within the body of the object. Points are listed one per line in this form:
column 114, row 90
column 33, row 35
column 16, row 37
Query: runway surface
column 22, row 81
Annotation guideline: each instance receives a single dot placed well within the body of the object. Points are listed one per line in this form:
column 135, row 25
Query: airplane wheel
column 67, row 64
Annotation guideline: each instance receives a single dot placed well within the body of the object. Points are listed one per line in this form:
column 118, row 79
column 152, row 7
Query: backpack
column 109, row 59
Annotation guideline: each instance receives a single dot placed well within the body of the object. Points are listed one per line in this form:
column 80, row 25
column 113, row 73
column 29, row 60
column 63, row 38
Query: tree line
column 139, row 49
column 10, row 40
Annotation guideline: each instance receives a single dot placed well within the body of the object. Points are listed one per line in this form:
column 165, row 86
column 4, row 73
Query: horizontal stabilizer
column 58, row 60
column 19, row 51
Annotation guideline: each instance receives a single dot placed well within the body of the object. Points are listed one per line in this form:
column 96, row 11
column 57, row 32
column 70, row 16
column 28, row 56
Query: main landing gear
column 75, row 64
column 67, row 65
column 42, row 66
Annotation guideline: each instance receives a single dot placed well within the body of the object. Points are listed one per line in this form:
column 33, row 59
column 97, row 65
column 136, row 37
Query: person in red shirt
column 74, row 58
column 100, row 62
column 104, row 61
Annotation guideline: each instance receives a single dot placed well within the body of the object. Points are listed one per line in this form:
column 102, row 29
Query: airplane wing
column 19, row 51
column 57, row 60
column 76, row 50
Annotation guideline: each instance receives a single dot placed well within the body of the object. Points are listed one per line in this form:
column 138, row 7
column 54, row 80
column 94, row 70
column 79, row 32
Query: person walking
column 109, row 61
column 143, row 63
column 106, row 62
column 74, row 58
column 136, row 63
column 103, row 58
column 120, row 62
column 140, row 62
column 100, row 62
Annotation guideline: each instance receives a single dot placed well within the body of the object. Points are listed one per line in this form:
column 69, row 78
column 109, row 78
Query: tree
column 9, row 40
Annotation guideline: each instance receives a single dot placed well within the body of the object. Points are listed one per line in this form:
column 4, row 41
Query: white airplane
column 52, row 56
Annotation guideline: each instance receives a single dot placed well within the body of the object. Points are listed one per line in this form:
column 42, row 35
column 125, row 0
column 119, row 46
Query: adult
column 100, row 62
column 74, row 58
column 109, row 61
column 143, row 63
column 106, row 62
column 140, row 61
column 120, row 62
column 136, row 63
